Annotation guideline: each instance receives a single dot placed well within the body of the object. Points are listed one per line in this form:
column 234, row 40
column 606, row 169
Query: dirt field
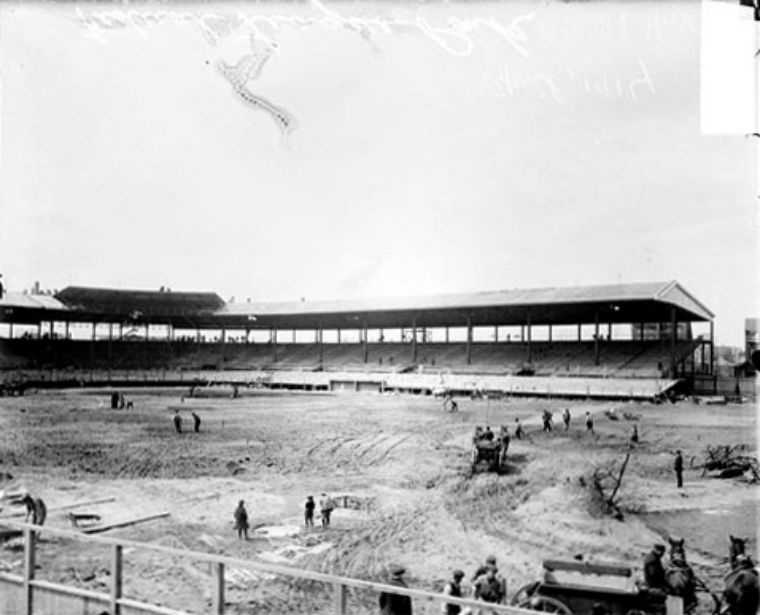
column 403, row 457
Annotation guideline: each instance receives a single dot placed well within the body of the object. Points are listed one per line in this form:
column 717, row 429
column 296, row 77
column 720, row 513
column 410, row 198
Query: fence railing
column 115, row 599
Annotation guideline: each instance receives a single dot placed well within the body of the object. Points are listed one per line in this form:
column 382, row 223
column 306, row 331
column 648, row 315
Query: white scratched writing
column 555, row 85
column 454, row 35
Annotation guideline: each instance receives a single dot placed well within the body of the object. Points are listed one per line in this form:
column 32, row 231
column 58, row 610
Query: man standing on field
column 325, row 507
column 678, row 467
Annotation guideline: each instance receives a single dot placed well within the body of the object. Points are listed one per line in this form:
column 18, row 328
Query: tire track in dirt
column 384, row 455
column 372, row 446
column 314, row 448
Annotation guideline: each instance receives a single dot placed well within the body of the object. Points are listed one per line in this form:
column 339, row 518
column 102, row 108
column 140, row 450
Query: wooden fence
column 118, row 604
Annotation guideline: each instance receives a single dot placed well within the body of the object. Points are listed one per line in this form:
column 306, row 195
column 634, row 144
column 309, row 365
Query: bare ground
column 404, row 458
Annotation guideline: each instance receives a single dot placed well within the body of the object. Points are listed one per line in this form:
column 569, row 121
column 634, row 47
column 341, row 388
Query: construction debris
column 725, row 461
column 111, row 526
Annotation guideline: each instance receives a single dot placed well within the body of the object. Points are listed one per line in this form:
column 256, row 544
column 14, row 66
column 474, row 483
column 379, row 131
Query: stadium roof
column 146, row 302
column 619, row 303
column 641, row 302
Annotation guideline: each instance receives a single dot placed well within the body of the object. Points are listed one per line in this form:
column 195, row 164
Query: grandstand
column 625, row 340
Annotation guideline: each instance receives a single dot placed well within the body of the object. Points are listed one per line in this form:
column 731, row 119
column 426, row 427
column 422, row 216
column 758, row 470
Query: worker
column 654, row 573
column 392, row 603
column 566, row 418
column 635, row 435
column 308, row 514
column 177, row 422
column 325, row 507
column 35, row 509
column 453, row 588
column 241, row 520
column 482, row 569
column 487, row 434
column 589, row 423
column 196, row 423
column 491, row 587
column 678, row 468
column 518, row 429
column 547, row 420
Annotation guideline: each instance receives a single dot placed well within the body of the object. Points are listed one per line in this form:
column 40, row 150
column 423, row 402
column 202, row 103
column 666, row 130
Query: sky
column 429, row 148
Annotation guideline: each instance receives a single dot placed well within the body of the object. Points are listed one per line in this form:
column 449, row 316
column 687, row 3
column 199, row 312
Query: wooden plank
column 66, row 507
column 111, row 526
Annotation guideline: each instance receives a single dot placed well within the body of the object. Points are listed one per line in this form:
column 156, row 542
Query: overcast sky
column 450, row 148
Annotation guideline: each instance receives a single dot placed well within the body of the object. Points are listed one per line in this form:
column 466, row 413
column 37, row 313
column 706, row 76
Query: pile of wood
column 726, row 461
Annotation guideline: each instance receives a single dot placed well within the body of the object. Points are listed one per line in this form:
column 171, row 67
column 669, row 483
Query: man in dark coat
column 177, row 422
column 395, row 604
column 241, row 520
column 491, row 587
column 453, row 588
column 654, row 573
column 308, row 512
column 566, row 418
column 678, row 467
column 196, row 422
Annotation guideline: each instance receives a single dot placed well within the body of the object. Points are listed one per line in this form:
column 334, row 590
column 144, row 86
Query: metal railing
column 115, row 599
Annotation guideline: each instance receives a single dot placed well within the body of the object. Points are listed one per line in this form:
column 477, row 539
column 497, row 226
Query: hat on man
column 598, row 609
column 458, row 574
column 491, row 559
column 396, row 570
column 659, row 547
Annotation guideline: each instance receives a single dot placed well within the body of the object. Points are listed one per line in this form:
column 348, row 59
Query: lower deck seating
column 647, row 359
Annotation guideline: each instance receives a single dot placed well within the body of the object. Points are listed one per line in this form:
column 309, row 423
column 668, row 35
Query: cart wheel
column 545, row 605
column 525, row 592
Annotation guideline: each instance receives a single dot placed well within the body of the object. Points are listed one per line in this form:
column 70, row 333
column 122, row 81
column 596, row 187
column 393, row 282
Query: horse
column 679, row 577
column 742, row 590
column 737, row 548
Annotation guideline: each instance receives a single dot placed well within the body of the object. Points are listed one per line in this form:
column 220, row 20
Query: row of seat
column 641, row 359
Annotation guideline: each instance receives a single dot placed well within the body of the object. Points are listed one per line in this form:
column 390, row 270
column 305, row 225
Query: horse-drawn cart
column 573, row 588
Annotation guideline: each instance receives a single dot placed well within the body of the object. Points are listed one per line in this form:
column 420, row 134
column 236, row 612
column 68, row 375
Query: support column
column 274, row 344
column 414, row 340
column 338, row 336
column 247, row 336
column 641, row 332
column 321, row 348
column 596, row 337
column 224, row 335
column 469, row 338
column 712, row 352
column 579, row 332
column 530, row 344
column 447, row 335
column 550, row 333
column 147, row 331
column 496, row 334
column 366, row 345
column 39, row 330
column 609, row 331
column 65, row 329
column 673, row 335
column 94, row 326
